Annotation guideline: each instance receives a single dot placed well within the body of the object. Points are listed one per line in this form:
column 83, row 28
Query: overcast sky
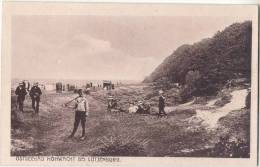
column 102, row 47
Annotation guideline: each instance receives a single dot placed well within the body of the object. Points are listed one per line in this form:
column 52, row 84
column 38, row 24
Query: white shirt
column 82, row 104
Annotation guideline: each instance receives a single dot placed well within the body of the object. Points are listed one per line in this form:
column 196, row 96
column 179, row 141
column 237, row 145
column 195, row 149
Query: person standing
column 81, row 112
column 20, row 92
column 35, row 94
column 161, row 104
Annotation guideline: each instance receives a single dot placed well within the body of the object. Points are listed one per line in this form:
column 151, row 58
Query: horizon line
column 12, row 78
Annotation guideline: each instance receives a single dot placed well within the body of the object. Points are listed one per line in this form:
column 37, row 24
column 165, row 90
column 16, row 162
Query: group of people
column 82, row 111
column 141, row 107
column 81, row 104
column 35, row 93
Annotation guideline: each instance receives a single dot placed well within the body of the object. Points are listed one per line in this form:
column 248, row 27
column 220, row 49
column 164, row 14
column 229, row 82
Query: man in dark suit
column 161, row 104
column 20, row 92
column 35, row 94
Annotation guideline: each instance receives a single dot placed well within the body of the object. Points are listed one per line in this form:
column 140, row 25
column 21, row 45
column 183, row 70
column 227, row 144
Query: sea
column 76, row 82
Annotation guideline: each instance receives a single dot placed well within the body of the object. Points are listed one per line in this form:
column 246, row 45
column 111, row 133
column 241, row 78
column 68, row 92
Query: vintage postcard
column 129, row 84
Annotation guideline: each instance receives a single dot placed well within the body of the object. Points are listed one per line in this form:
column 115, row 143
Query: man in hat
column 20, row 92
column 81, row 112
column 161, row 104
column 35, row 94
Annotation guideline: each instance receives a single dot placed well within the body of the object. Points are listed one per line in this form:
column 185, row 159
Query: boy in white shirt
column 81, row 111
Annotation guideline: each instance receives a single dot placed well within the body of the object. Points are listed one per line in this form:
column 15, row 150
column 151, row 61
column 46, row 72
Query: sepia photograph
column 133, row 85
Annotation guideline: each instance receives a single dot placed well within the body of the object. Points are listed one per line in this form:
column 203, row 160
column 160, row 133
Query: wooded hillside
column 210, row 63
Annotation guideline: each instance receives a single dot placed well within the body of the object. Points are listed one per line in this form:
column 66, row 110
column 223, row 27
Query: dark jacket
column 161, row 102
column 20, row 92
column 35, row 92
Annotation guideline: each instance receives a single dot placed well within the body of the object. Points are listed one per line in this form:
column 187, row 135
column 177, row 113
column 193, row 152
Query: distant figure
column 26, row 84
column 20, row 92
column 81, row 112
column 59, row 87
column 35, row 94
column 111, row 104
column 161, row 104
column 28, row 87
column 143, row 108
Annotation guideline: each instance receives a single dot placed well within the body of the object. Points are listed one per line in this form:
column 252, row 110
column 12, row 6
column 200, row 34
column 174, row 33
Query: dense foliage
column 225, row 56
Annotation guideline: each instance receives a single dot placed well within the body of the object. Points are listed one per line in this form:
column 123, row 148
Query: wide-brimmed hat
column 160, row 91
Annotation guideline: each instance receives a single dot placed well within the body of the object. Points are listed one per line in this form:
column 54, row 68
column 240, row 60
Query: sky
column 102, row 47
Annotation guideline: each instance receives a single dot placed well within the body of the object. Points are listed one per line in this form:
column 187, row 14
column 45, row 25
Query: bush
column 186, row 93
column 232, row 149
column 191, row 77
column 200, row 100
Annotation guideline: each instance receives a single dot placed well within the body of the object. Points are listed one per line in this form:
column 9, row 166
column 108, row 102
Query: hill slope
column 209, row 64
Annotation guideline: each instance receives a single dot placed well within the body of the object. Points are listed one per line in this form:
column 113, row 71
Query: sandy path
column 211, row 117
column 59, row 123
